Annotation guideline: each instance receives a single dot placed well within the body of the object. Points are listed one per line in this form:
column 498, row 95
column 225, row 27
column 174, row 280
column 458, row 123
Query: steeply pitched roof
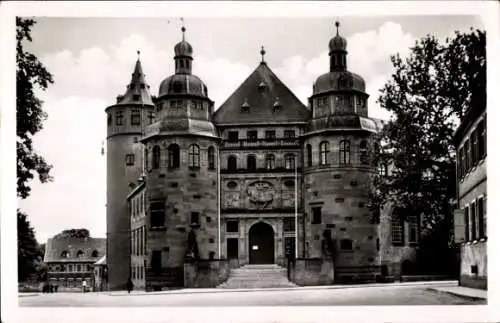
column 261, row 90
column 56, row 246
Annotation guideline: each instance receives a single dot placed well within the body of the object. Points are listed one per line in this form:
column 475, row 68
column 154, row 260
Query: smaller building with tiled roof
column 70, row 258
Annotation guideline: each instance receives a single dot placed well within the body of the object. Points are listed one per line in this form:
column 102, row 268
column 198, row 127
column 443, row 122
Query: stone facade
column 471, row 213
column 262, row 178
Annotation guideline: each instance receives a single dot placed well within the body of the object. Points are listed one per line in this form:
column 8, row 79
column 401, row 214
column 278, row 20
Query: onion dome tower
column 181, row 169
column 337, row 164
column 126, row 121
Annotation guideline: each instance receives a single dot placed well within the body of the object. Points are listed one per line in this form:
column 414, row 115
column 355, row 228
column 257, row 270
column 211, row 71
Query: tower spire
column 337, row 24
column 183, row 29
column 262, row 53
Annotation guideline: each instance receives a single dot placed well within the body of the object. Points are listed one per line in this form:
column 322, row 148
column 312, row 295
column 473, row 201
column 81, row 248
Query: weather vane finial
column 183, row 29
column 337, row 24
column 262, row 53
column 138, row 54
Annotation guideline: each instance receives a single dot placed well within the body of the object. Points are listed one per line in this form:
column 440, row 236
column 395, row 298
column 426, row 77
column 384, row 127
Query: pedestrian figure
column 84, row 286
column 130, row 285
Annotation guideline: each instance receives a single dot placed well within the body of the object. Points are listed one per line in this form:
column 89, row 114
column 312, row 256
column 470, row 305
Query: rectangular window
column 151, row 117
column 480, row 218
column 412, row 229
column 129, row 159
column 195, row 218
column 289, row 134
column 119, row 118
column 460, row 161
column 473, row 235
column 270, row 134
column 135, row 117
column 481, row 134
column 467, row 225
column 232, row 136
column 473, row 148
column 467, row 156
column 176, row 104
column 397, row 231
column 290, row 246
column 110, row 119
column 232, row 248
column 252, row 135
column 156, row 262
column 316, row 215
column 289, row 224
column 232, row 226
column 157, row 214
column 346, row 245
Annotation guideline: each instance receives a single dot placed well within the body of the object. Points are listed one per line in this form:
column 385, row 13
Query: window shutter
column 459, row 226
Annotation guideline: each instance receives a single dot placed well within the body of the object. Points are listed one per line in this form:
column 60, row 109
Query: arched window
column 345, row 152
column 194, row 156
column 173, row 156
column 231, row 163
column 270, row 161
column 323, row 153
column 290, row 161
column 211, row 157
column 79, row 254
column 363, row 152
column 95, row 253
column 156, row 157
column 251, row 163
column 309, row 155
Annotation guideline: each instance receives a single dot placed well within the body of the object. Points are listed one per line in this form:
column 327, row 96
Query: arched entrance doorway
column 261, row 244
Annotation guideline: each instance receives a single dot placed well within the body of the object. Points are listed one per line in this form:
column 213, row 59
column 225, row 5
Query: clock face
column 260, row 193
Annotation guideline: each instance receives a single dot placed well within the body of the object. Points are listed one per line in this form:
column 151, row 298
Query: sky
column 92, row 59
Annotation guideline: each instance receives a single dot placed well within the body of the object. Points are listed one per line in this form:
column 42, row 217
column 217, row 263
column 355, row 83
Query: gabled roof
column 261, row 91
column 72, row 245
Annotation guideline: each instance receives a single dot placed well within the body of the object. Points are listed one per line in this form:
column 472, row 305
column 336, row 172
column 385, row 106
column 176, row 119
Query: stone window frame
column 270, row 161
column 466, row 223
column 174, row 156
column 270, row 134
column 156, row 158
column 194, row 156
column 211, row 157
column 473, row 227
column 232, row 136
column 251, row 162
column 129, row 160
column 289, row 224
column 323, row 152
column 481, row 223
column 236, row 224
column 345, row 152
column 316, row 215
column 135, row 117
column 290, row 161
column 309, row 155
column 119, row 118
column 157, row 213
column 232, row 163
column 413, row 230
column 151, row 117
column 363, row 152
column 397, row 230
column 252, row 135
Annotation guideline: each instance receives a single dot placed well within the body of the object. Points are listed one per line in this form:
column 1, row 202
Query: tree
column 428, row 94
column 74, row 233
column 28, row 252
column 30, row 115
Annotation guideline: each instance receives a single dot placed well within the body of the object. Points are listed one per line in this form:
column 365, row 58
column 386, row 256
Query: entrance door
column 261, row 244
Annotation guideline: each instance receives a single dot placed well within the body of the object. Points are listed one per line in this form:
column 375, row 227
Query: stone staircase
column 257, row 276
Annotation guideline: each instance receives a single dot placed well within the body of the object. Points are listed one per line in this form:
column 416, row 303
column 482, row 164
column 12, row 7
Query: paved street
column 383, row 295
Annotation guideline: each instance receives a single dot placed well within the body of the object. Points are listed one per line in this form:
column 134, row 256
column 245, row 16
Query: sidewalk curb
column 298, row 288
column 468, row 297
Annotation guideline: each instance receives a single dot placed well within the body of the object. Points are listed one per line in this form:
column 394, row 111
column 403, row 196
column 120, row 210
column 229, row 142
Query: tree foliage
column 428, row 94
column 30, row 116
column 29, row 253
column 74, row 233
